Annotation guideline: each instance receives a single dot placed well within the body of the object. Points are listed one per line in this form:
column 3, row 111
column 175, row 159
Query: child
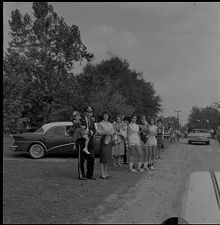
column 81, row 130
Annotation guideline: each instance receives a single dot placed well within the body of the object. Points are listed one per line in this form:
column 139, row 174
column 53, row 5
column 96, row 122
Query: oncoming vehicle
column 201, row 200
column 51, row 137
column 199, row 135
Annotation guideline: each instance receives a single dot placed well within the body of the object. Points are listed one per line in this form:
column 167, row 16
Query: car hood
column 200, row 202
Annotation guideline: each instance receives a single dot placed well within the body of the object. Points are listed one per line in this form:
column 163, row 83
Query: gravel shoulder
column 158, row 195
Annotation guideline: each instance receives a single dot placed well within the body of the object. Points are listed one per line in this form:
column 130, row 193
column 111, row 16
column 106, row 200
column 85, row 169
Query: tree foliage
column 38, row 63
column 208, row 117
column 38, row 74
column 113, row 86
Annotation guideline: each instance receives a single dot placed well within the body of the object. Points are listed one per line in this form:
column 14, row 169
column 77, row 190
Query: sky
column 176, row 45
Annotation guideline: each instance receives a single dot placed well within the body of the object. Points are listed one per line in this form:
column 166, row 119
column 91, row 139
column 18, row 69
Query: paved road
column 158, row 195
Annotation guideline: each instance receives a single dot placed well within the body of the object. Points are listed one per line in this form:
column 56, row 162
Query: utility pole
column 177, row 116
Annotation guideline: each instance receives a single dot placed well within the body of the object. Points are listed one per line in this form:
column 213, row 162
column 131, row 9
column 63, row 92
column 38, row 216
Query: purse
column 116, row 139
column 107, row 140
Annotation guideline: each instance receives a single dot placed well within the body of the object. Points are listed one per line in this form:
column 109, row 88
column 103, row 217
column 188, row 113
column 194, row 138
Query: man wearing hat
column 80, row 144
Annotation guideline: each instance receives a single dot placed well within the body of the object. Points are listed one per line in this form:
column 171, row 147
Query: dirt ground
column 158, row 195
column 47, row 191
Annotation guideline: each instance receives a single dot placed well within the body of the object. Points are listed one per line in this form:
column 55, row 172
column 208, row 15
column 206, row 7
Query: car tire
column 190, row 142
column 208, row 142
column 37, row 151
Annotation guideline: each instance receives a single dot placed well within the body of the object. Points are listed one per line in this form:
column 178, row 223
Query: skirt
column 118, row 149
column 159, row 140
column 105, row 151
column 152, row 141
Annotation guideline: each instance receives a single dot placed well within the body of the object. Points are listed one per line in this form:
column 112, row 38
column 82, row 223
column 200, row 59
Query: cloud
column 103, row 38
column 103, row 30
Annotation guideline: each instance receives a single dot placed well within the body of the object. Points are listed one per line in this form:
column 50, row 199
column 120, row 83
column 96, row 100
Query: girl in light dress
column 118, row 146
column 134, row 143
column 152, row 143
column 81, row 130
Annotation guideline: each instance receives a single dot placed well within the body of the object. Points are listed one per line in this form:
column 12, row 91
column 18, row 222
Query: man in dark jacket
column 80, row 144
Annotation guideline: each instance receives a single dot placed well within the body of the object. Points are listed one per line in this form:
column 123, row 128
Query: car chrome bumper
column 13, row 148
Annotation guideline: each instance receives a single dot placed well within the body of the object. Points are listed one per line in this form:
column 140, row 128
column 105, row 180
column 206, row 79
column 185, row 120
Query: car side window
column 59, row 130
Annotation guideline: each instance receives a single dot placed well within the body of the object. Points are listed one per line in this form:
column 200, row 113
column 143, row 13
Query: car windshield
column 40, row 131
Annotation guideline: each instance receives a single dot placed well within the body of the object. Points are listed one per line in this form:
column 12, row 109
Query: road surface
column 159, row 193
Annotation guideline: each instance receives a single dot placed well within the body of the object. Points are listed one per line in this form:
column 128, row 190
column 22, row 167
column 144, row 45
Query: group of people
column 125, row 140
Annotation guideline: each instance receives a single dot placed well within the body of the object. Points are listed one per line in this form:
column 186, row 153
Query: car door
column 68, row 141
column 55, row 138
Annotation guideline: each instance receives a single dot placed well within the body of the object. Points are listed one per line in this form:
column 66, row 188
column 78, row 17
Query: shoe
column 108, row 176
column 82, row 178
column 141, row 170
column 91, row 178
column 133, row 170
column 152, row 167
column 103, row 177
column 146, row 168
column 86, row 151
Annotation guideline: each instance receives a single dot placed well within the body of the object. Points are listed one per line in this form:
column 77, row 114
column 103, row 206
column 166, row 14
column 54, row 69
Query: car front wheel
column 37, row 151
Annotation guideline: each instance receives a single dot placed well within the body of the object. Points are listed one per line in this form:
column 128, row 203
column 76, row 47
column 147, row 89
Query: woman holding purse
column 105, row 128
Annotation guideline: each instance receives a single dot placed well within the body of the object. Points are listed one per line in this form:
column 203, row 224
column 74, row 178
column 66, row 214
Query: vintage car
column 201, row 200
column 199, row 135
column 51, row 137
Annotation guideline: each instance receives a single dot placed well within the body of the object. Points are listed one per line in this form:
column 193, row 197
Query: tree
column 208, row 117
column 39, row 61
column 170, row 121
column 112, row 85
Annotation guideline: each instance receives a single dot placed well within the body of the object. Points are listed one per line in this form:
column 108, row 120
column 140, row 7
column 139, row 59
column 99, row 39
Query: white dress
column 133, row 134
column 152, row 140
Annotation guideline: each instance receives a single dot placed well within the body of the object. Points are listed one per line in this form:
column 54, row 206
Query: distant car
column 199, row 135
column 201, row 200
column 51, row 137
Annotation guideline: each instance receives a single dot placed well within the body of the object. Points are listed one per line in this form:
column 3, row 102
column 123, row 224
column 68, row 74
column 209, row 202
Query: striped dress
column 160, row 135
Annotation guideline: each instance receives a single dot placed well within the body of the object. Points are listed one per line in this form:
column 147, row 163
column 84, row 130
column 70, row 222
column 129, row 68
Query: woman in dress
column 105, row 129
column 152, row 143
column 118, row 146
column 134, row 143
column 144, row 136
column 160, row 137
column 172, row 135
